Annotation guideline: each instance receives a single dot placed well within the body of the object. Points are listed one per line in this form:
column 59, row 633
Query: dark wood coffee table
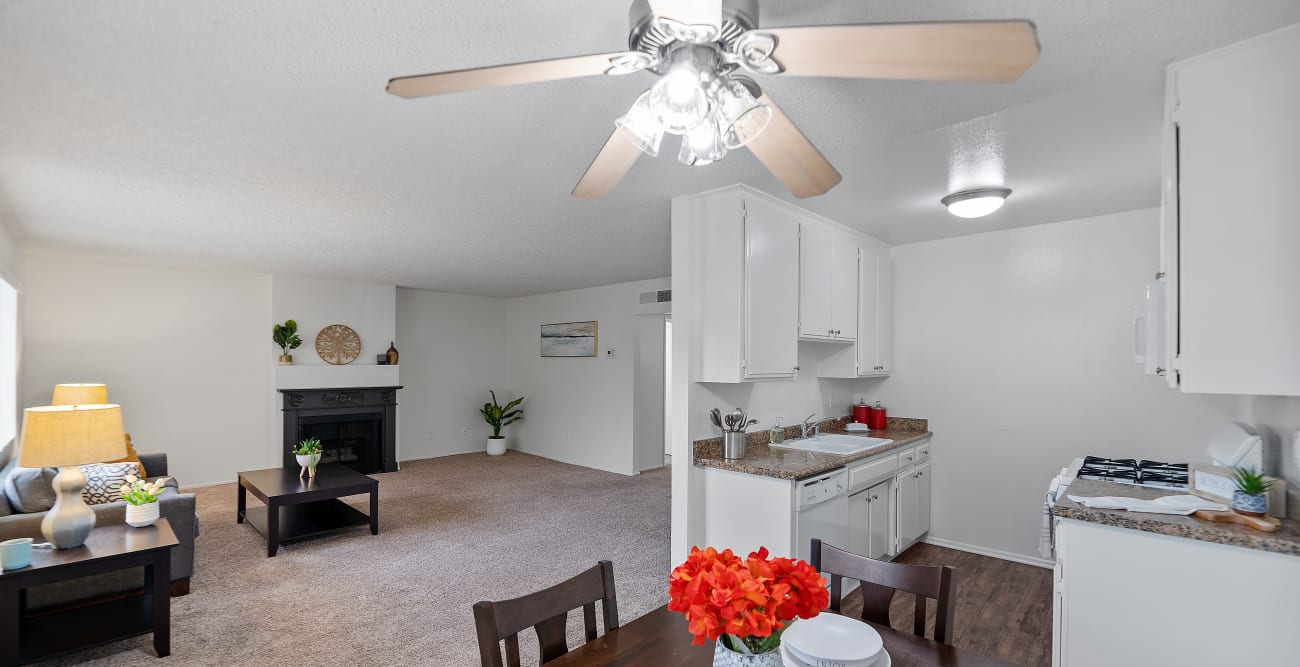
column 26, row 639
column 300, row 507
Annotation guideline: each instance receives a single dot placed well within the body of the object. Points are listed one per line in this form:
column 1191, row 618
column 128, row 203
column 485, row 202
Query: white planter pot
column 308, row 463
column 140, row 516
column 496, row 446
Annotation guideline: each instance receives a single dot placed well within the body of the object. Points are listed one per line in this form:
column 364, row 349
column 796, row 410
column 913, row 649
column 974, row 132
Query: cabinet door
column 860, row 507
column 884, row 311
column 816, row 280
column 771, row 291
column 905, row 503
column 878, row 543
column 844, row 288
column 922, row 499
column 867, row 312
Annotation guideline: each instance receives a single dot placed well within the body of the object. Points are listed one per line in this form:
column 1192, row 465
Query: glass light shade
column 678, row 100
column 70, row 435
column 703, row 144
column 742, row 116
column 79, row 394
column 976, row 203
column 641, row 127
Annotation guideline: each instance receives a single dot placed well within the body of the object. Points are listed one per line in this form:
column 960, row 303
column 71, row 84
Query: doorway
column 651, row 399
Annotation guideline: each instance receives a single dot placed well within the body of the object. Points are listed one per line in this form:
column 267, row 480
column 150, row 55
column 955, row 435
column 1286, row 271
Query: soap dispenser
column 777, row 434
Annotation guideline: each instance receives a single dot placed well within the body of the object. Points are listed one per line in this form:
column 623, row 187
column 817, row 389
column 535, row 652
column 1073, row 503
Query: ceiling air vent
column 659, row 296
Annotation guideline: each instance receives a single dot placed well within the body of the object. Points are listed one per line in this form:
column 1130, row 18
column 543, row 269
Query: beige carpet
column 453, row 531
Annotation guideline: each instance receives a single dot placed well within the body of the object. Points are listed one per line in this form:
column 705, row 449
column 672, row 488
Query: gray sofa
column 176, row 507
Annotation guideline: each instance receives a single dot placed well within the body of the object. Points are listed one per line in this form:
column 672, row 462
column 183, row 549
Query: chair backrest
column 880, row 579
column 547, row 612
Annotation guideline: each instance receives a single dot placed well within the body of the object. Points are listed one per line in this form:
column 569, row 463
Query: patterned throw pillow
column 104, row 481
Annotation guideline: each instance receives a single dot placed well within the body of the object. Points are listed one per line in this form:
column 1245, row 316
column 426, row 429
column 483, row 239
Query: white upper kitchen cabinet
column 873, row 353
column 745, row 251
column 828, row 283
column 1231, row 231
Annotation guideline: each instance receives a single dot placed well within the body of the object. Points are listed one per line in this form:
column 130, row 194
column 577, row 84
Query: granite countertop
column 767, row 461
column 1285, row 541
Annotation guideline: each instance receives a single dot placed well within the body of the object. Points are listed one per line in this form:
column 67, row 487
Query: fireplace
column 357, row 426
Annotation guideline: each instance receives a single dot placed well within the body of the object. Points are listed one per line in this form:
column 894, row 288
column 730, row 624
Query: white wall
column 453, row 350
column 1017, row 346
column 10, row 336
column 315, row 303
column 186, row 354
column 579, row 410
column 1278, row 419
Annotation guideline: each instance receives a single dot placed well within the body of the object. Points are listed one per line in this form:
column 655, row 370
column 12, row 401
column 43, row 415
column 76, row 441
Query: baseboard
column 994, row 553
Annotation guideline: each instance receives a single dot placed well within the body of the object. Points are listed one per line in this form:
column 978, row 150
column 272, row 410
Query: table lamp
column 66, row 436
column 80, row 394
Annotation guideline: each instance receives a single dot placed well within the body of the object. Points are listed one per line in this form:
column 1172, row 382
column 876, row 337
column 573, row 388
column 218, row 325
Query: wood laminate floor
column 1004, row 609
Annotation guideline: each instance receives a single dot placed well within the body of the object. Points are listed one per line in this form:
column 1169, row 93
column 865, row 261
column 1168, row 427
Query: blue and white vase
column 725, row 657
column 1250, row 505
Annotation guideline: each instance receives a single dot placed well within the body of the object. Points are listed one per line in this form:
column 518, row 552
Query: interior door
column 878, row 543
column 844, row 288
column 771, row 291
column 922, row 499
column 816, row 280
column 867, row 312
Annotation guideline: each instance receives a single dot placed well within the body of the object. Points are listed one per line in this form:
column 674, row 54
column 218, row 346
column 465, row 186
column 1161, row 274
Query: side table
column 108, row 548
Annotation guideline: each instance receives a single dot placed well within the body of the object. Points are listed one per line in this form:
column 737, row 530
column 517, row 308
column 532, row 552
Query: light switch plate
column 609, row 352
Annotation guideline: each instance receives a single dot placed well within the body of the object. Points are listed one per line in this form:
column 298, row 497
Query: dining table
column 660, row 639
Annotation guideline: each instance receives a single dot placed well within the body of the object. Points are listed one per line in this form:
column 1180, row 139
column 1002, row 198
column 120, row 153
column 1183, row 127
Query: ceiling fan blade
column 990, row 51
column 788, row 154
column 689, row 12
column 442, row 83
column 610, row 166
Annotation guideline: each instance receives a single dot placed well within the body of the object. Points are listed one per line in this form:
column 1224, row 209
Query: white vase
column 496, row 446
column 139, row 516
column 308, row 462
column 725, row 657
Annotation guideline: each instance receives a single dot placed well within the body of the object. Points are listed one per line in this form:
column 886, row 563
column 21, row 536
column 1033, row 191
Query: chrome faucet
column 815, row 428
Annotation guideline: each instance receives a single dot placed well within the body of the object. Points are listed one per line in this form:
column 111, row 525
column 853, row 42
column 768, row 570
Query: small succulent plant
column 1251, row 482
column 307, row 447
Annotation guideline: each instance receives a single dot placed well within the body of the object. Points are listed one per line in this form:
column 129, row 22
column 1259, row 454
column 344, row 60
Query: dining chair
column 879, row 579
column 546, row 611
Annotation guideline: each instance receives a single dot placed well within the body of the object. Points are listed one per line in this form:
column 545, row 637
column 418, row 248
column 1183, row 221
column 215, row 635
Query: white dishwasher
column 821, row 511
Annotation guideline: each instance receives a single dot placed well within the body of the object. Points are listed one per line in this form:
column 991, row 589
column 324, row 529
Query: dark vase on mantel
column 392, row 354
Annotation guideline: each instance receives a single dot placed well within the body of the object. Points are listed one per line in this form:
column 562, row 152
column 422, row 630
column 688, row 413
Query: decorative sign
column 569, row 339
column 338, row 344
column 1211, row 482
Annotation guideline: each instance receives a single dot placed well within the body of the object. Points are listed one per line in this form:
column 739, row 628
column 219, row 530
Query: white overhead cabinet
column 745, row 248
column 828, row 283
column 1231, row 232
column 873, row 352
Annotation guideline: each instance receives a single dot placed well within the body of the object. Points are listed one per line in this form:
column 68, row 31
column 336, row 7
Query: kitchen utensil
column 834, row 639
column 733, row 445
column 715, row 416
column 1267, row 524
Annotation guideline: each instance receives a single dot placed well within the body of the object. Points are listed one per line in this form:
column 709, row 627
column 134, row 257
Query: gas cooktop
column 1141, row 473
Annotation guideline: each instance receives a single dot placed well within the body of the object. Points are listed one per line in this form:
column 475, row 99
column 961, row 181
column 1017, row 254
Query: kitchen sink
column 834, row 443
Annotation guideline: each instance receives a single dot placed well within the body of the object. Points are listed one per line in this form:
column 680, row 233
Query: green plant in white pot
column 497, row 416
column 308, row 454
column 142, row 500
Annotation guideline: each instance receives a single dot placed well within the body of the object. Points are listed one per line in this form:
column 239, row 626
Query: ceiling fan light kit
column 976, row 203
column 705, row 51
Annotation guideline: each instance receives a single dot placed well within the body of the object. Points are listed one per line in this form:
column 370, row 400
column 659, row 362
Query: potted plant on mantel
column 1251, row 496
column 498, row 416
column 286, row 336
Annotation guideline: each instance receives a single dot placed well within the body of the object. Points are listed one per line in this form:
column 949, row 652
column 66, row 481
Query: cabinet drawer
column 923, row 453
column 907, row 458
column 869, row 472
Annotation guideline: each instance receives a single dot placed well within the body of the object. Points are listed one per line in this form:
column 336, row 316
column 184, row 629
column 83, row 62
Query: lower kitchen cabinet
column 869, row 522
column 912, row 505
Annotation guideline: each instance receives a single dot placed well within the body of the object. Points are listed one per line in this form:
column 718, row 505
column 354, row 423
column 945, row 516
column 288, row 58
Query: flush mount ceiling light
column 976, row 203
column 704, row 52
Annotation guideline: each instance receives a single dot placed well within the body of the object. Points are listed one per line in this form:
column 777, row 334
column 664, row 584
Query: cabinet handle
column 796, row 369
column 875, row 497
column 919, row 474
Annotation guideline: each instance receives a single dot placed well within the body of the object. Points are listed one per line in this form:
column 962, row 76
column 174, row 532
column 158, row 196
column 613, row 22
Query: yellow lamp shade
column 80, row 394
column 69, row 435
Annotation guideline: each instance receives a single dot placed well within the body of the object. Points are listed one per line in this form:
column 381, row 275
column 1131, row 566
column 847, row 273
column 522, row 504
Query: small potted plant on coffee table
column 142, row 500
column 286, row 336
column 498, row 416
column 1251, row 496
column 308, row 454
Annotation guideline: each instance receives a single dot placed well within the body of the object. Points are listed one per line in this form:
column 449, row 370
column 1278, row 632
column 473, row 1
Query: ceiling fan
column 705, row 53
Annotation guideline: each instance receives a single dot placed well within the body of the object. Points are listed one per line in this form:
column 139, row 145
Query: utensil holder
column 733, row 444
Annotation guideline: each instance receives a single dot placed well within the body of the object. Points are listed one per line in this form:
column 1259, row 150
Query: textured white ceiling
column 258, row 135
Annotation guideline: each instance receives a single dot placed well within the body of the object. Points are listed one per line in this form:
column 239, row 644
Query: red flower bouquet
column 744, row 604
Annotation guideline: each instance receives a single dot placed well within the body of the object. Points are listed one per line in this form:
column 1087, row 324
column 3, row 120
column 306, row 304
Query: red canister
column 861, row 413
column 877, row 418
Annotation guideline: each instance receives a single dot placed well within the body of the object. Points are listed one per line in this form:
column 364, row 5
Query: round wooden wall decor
column 338, row 344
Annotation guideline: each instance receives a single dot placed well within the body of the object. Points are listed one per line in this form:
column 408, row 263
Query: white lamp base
column 70, row 521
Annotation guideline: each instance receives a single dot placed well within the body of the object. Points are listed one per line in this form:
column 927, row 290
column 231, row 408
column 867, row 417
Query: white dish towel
column 1167, row 505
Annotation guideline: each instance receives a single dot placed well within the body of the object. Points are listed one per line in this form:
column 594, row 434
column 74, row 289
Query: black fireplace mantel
column 305, row 406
